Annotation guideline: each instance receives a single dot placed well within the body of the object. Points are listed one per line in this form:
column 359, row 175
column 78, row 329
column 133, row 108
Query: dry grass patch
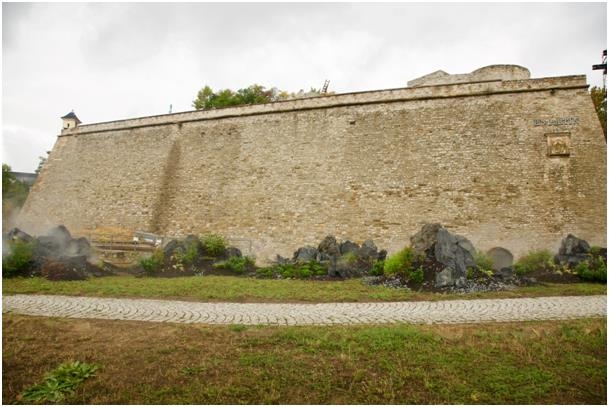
column 162, row 363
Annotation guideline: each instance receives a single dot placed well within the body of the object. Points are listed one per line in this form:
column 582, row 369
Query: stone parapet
column 347, row 99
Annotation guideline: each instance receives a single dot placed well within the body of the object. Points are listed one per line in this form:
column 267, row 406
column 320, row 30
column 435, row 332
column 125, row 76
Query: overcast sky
column 115, row 61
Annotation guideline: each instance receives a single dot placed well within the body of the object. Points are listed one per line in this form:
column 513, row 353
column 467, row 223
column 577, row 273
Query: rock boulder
column 572, row 251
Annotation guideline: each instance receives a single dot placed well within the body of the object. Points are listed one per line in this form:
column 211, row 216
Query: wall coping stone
column 480, row 88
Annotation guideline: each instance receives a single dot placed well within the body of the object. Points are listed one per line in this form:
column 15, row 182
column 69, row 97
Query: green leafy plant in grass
column 298, row 271
column 377, row 268
column 265, row 272
column 190, row 254
column 403, row 263
column 19, row 260
column 153, row 263
column 235, row 264
column 594, row 269
column 287, row 270
column 533, row 261
column 60, row 382
column 184, row 257
column 215, row 245
column 400, row 262
column 416, row 275
column 483, row 261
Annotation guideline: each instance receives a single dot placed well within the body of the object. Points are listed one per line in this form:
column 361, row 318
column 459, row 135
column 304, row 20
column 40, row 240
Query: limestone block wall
column 517, row 164
column 487, row 73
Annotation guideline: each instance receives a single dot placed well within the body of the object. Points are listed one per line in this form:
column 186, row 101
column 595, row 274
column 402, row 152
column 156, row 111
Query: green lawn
column 240, row 289
column 552, row 362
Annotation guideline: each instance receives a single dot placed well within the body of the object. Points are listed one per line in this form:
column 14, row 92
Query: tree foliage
column 13, row 190
column 254, row 94
column 599, row 98
column 41, row 162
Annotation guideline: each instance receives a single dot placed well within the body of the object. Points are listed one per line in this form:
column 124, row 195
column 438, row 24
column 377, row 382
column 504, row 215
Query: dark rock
column 282, row 260
column 305, row 254
column 369, row 249
column 445, row 278
column 505, row 273
column 454, row 251
column 329, row 247
column 58, row 243
column 348, row 247
column 502, row 258
column 170, row 247
column 425, row 239
column 469, row 250
column 572, row 251
column 233, row 252
column 60, row 234
column 78, row 247
column 323, row 257
column 461, row 282
column 344, row 268
column 572, row 245
column 382, row 255
column 192, row 240
column 529, row 280
column 17, row 234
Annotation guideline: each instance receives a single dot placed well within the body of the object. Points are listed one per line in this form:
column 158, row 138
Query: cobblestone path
column 423, row 312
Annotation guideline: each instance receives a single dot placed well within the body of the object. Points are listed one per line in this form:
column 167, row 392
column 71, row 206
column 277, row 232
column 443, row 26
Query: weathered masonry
column 493, row 155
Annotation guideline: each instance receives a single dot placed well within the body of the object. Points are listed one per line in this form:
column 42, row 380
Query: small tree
column 599, row 98
column 14, row 192
column 253, row 94
column 41, row 162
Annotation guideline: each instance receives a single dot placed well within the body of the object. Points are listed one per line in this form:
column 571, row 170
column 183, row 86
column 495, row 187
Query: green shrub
column 184, row 257
column 153, row 263
column 303, row 271
column 593, row 269
column 400, row 262
column 377, row 268
column 20, row 259
column 483, row 261
column 60, row 382
column 215, row 245
column 235, row 264
column 533, row 261
column 306, row 270
column 318, row 269
column 265, row 272
column 416, row 276
column 189, row 255
column 287, row 270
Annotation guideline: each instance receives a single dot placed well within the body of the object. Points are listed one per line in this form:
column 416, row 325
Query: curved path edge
column 422, row 312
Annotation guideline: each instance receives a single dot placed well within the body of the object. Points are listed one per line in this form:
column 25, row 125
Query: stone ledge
column 347, row 99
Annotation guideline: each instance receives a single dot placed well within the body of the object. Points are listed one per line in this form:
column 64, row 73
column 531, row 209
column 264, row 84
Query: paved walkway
column 423, row 312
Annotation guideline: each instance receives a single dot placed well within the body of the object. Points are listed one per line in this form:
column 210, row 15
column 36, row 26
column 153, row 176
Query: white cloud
column 111, row 61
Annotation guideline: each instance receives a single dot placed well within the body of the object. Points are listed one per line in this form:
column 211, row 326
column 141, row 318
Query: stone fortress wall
column 497, row 157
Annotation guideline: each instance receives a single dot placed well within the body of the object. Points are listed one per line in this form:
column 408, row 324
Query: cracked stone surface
column 422, row 312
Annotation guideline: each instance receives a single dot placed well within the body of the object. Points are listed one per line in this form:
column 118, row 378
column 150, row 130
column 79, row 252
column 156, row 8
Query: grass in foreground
column 225, row 288
column 150, row 363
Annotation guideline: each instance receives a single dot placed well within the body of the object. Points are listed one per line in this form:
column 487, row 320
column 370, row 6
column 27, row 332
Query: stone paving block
column 440, row 312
